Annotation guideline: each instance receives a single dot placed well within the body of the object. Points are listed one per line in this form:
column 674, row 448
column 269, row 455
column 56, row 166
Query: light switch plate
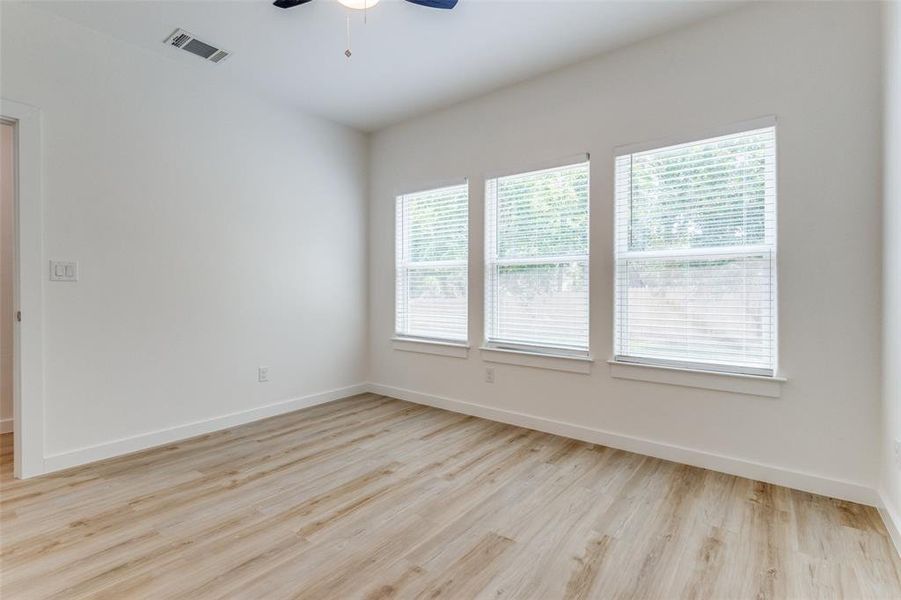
column 63, row 270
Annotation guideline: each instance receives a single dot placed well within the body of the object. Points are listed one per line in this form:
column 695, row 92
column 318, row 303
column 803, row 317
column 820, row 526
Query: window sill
column 538, row 360
column 755, row 385
column 452, row 349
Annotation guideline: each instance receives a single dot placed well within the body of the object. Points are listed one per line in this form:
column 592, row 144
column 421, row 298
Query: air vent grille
column 180, row 40
column 218, row 56
column 187, row 42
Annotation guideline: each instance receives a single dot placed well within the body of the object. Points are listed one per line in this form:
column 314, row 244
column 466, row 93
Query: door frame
column 28, row 292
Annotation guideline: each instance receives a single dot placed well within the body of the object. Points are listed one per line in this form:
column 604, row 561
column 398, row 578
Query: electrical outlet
column 489, row 374
column 263, row 374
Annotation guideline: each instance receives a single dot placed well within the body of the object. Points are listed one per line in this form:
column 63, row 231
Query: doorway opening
column 22, row 304
column 8, row 304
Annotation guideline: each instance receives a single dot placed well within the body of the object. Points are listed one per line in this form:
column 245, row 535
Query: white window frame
column 414, row 343
column 771, row 248
column 490, row 346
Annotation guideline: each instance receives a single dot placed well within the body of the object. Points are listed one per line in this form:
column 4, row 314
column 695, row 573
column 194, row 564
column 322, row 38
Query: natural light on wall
column 536, row 254
column 432, row 237
column 696, row 254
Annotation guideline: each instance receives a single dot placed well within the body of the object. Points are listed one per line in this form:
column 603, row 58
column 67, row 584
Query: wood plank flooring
column 371, row 497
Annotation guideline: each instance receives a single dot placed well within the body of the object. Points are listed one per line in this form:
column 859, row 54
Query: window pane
column 543, row 214
column 537, row 259
column 542, row 304
column 702, row 195
column 436, row 303
column 437, row 225
column 432, row 237
column 696, row 253
column 704, row 310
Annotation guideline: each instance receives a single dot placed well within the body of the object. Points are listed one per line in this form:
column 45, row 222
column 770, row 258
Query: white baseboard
column 891, row 520
column 6, row 425
column 835, row 488
column 816, row 484
column 72, row 458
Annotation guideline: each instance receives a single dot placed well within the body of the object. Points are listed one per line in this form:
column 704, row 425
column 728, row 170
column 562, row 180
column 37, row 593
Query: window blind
column 431, row 253
column 696, row 254
column 536, row 252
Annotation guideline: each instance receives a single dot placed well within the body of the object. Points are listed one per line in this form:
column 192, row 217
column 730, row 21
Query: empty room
column 463, row 299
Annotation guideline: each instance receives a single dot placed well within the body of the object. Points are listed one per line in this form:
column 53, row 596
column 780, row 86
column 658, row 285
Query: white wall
column 891, row 359
column 215, row 232
column 817, row 68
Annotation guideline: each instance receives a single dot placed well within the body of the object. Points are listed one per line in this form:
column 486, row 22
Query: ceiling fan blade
column 289, row 3
column 435, row 3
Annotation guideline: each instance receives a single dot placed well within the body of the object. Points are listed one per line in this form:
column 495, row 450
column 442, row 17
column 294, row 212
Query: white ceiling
column 407, row 59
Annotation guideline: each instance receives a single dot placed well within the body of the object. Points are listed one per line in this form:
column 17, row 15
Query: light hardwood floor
column 370, row 497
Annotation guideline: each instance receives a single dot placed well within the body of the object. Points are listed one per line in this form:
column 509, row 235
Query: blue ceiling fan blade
column 289, row 3
column 435, row 3
column 446, row 4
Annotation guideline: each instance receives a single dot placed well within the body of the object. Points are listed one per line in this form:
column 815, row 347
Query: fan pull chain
column 348, row 53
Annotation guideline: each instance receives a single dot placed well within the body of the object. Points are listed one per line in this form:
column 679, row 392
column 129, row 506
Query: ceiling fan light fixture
column 359, row 4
